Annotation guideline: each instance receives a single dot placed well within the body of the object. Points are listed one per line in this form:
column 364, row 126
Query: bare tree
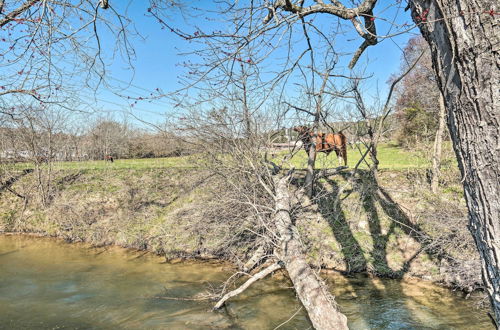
column 108, row 137
column 259, row 201
column 33, row 138
column 54, row 50
column 464, row 42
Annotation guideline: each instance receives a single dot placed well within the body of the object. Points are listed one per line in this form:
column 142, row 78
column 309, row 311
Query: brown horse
column 324, row 142
column 108, row 158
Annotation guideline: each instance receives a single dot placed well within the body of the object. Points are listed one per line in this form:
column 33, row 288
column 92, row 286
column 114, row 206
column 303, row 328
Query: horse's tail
column 343, row 147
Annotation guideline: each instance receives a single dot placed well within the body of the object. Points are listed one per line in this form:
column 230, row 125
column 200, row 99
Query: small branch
column 289, row 319
column 358, row 54
column 183, row 299
column 13, row 14
column 387, row 109
column 255, row 259
column 330, row 171
column 260, row 275
column 300, row 109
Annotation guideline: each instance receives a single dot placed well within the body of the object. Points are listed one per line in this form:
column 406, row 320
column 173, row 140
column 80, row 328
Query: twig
column 291, row 317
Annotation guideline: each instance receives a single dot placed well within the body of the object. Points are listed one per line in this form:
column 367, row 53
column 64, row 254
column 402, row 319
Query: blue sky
column 157, row 58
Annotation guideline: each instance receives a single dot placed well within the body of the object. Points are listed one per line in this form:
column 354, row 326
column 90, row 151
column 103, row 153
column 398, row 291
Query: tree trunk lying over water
column 260, row 275
column 319, row 303
column 312, row 292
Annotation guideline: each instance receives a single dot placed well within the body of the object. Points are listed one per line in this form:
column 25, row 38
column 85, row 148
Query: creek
column 49, row 284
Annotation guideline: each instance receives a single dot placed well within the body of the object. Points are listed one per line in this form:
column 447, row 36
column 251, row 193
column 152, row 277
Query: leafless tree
column 464, row 42
column 108, row 137
column 52, row 50
column 420, row 104
column 33, row 138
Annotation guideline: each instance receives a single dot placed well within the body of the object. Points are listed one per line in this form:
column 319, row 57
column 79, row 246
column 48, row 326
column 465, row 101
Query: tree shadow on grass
column 374, row 199
column 365, row 249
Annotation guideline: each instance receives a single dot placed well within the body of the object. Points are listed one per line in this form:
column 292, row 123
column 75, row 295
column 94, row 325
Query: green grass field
column 145, row 163
column 391, row 158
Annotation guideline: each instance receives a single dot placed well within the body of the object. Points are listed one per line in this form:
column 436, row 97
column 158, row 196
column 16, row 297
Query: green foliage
column 417, row 125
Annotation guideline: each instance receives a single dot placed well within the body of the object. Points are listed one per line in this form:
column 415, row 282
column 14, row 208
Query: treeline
column 417, row 107
column 33, row 141
column 43, row 134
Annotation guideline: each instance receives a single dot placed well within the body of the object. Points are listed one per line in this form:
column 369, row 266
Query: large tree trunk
column 314, row 295
column 312, row 292
column 438, row 142
column 464, row 38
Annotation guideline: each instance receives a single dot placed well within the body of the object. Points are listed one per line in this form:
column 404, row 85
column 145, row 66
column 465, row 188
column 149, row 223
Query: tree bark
column 319, row 303
column 255, row 259
column 438, row 142
column 464, row 38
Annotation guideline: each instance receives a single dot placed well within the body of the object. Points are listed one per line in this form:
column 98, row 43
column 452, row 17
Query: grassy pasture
column 119, row 164
column 391, row 158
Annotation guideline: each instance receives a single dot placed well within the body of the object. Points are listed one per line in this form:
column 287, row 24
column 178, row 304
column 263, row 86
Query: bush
column 417, row 125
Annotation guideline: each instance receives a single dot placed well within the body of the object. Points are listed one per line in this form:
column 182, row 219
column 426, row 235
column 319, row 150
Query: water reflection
column 48, row 284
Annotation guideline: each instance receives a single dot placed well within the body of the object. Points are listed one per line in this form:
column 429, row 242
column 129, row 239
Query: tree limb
column 16, row 12
column 260, row 275
column 336, row 8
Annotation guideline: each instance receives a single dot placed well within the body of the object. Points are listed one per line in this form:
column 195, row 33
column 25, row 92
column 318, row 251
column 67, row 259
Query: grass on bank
column 391, row 157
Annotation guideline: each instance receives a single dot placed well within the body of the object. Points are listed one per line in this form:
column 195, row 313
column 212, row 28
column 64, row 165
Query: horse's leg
column 338, row 155
column 344, row 151
column 343, row 155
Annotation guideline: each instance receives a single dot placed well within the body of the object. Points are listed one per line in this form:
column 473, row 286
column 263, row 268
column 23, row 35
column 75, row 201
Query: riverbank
column 391, row 226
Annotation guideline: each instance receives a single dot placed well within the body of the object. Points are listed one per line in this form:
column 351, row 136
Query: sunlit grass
column 145, row 163
column 391, row 157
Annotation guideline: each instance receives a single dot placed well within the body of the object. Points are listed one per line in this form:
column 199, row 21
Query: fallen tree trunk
column 319, row 303
column 312, row 292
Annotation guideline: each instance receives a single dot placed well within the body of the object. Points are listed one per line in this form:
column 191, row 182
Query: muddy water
column 48, row 284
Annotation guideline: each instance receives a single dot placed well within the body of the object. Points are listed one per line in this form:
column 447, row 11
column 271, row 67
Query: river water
column 49, row 284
